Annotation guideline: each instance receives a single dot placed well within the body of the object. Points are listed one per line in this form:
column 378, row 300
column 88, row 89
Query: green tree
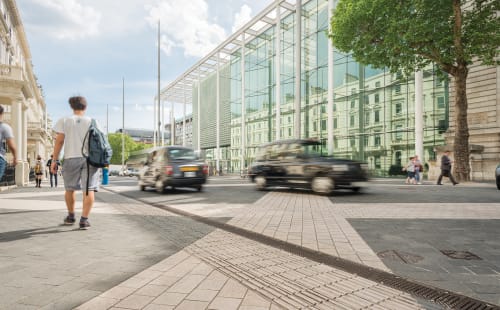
column 408, row 35
column 115, row 140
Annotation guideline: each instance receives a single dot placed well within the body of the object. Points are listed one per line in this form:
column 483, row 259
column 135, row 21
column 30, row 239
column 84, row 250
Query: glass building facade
column 373, row 110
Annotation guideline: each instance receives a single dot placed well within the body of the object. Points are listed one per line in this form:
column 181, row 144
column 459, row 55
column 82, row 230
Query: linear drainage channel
column 437, row 295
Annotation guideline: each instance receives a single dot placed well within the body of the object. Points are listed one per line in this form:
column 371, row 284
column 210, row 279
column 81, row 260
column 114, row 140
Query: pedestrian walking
column 38, row 171
column 71, row 132
column 53, row 176
column 446, row 169
column 418, row 169
column 6, row 139
column 410, row 171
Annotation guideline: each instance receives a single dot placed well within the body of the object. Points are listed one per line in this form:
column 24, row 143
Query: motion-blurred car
column 114, row 172
column 497, row 176
column 173, row 166
column 298, row 164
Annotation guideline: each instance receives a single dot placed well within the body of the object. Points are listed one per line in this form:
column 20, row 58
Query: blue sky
column 86, row 47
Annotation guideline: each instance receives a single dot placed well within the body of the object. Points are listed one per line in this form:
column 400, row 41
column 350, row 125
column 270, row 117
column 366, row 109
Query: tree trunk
column 461, row 143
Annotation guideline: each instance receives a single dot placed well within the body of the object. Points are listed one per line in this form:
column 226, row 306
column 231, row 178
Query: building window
column 289, row 132
column 398, row 108
column 442, row 126
column 367, row 118
column 367, row 99
column 353, row 91
column 365, row 140
column 440, row 102
column 351, row 122
column 353, row 104
column 397, row 89
column 334, row 107
column 353, row 142
column 377, row 162
column 399, row 133
column 377, row 98
column 315, row 126
column 377, row 116
column 335, row 143
column 323, row 108
column 376, row 140
column 377, row 84
column 323, row 124
column 335, row 123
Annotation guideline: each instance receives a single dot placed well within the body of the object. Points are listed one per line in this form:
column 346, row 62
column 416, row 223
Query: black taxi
column 298, row 164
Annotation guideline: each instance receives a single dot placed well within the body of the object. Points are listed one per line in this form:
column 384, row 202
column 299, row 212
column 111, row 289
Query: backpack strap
column 92, row 123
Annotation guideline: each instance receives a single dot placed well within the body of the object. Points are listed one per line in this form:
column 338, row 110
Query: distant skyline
column 86, row 47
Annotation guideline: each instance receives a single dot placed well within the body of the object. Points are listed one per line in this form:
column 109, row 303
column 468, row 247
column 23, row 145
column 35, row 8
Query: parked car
column 298, row 164
column 173, row 166
column 497, row 176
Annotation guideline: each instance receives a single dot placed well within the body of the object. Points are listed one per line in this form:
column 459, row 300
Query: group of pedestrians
column 39, row 171
column 414, row 168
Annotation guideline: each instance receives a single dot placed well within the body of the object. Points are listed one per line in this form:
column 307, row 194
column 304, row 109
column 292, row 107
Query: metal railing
column 9, row 177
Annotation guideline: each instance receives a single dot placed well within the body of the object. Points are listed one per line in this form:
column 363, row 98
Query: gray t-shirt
column 5, row 133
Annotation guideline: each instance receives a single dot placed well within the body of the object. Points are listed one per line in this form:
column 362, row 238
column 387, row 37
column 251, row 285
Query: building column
column 330, row 86
column 184, row 121
column 298, row 67
column 172, row 124
column 277, row 66
column 419, row 115
column 243, row 131
column 18, row 128
column 217, row 115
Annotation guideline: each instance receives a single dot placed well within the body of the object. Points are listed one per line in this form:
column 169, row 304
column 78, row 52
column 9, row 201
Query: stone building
column 20, row 93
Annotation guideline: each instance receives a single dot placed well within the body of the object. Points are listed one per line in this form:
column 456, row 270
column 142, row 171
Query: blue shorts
column 74, row 173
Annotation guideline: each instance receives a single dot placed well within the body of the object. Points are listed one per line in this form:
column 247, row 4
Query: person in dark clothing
column 53, row 176
column 446, row 169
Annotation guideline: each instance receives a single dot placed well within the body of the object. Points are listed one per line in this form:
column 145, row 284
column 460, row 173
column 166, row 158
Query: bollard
column 105, row 175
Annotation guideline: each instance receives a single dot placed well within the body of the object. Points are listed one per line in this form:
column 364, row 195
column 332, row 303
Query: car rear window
column 181, row 154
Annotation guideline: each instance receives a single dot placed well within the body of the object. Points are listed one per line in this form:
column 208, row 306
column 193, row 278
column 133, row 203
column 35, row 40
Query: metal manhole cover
column 404, row 257
column 461, row 255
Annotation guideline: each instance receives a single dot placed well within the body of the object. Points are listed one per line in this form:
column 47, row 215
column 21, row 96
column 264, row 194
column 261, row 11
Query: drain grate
column 401, row 256
column 461, row 255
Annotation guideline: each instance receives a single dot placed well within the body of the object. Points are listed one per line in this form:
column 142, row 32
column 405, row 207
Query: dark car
column 497, row 176
column 298, row 164
column 173, row 166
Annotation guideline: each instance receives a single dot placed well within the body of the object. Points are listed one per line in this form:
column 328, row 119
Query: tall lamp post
column 123, row 124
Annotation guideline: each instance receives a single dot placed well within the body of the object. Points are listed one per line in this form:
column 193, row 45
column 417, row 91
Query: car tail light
column 169, row 170
column 205, row 169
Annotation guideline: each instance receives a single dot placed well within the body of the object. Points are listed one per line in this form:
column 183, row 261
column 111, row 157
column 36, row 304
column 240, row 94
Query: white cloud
column 62, row 19
column 185, row 24
column 242, row 17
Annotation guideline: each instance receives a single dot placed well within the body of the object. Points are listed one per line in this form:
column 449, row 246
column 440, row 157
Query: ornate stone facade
column 20, row 93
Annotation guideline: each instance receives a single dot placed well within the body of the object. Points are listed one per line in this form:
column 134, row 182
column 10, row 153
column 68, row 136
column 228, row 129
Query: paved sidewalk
column 141, row 257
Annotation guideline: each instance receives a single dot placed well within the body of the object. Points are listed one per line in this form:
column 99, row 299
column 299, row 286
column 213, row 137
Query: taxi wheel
column 322, row 185
column 159, row 186
column 261, row 182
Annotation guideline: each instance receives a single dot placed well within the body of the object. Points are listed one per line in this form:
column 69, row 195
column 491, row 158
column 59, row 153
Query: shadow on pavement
column 28, row 233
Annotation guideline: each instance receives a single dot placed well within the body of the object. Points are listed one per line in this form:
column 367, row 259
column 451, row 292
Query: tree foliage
column 408, row 35
column 115, row 140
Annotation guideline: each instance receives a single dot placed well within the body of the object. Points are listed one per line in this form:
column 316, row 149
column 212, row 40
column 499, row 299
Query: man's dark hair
column 78, row 103
column 1, row 109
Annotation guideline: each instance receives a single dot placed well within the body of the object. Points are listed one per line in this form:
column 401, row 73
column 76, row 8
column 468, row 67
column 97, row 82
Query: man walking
column 6, row 138
column 53, row 175
column 71, row 132
column 446, row 169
